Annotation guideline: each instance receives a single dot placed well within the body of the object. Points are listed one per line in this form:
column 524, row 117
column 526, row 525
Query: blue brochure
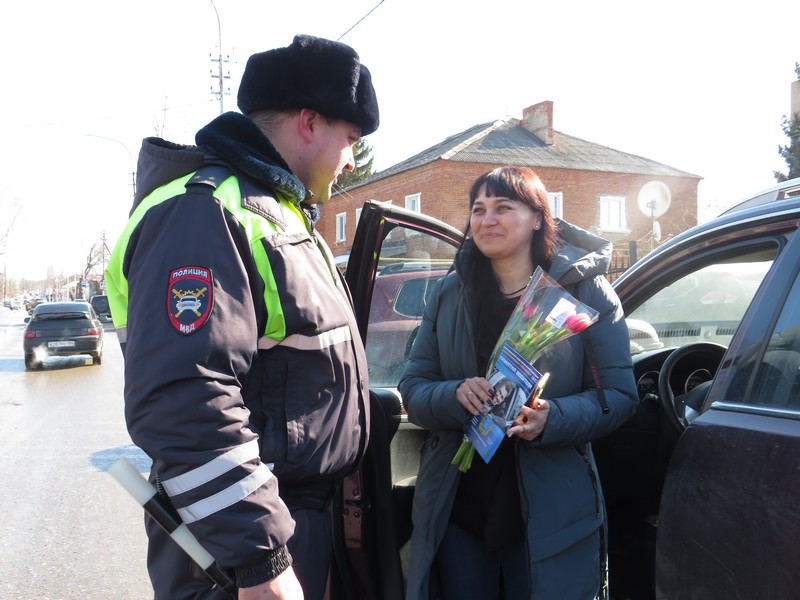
column 513, row 381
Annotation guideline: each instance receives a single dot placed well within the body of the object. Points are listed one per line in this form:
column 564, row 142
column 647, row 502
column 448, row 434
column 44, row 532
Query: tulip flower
column 577, row 322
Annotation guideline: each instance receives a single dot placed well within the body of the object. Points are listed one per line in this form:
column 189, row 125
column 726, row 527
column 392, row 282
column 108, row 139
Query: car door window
column 410, row 265
column 703, row 305
column 777, row 378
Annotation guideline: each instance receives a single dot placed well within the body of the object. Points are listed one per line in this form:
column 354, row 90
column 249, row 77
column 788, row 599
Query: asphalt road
column 67, row 529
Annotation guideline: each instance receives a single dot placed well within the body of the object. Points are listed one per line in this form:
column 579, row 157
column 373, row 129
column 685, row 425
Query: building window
column 413, row 202
column 556, row 204
column 358, row 215
column 612, row 213
column 341, row 227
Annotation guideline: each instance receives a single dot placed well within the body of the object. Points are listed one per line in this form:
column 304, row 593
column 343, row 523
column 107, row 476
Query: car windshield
column 704, row 305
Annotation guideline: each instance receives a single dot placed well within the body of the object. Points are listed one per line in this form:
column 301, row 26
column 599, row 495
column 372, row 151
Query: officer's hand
column 284, row 587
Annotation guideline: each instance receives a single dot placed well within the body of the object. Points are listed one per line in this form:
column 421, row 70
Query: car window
column 72, row 315
column 410, row 265
column 777, row 378
column 414, row 294
column 704, row 305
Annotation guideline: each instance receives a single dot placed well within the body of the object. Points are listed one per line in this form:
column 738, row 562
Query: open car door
column 396, row 260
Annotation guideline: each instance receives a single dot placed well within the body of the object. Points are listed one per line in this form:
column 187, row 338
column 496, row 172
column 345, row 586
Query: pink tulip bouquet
column 546, row 314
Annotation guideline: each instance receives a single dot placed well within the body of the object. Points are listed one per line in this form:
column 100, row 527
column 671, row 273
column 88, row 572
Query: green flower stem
column 463, row 457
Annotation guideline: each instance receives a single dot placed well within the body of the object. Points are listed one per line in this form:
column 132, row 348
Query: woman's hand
column 475, row 395
column 531, row 421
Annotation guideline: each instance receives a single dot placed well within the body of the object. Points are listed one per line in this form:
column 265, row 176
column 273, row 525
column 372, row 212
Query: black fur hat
column 314, row 73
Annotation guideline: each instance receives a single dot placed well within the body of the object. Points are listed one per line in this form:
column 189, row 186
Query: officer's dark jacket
column 243, row 362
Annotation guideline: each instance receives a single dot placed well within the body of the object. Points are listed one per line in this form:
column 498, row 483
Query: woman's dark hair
column 523, row 185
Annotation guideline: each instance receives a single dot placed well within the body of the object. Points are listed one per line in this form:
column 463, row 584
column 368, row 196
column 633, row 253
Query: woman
column 531, row 522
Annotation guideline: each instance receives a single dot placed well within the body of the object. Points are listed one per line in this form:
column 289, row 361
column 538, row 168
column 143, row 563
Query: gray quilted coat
column 560, row 491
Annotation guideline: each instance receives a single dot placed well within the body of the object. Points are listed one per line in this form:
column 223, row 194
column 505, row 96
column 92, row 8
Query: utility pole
column 221, row 92
column 103, row 250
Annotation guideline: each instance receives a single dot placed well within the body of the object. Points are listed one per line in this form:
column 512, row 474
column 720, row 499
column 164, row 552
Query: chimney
column 538, row 119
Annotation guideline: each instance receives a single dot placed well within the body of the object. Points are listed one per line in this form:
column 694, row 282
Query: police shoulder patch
column 190, row 298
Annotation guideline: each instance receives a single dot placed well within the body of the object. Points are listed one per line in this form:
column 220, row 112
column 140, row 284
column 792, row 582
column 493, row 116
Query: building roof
column 507, row 142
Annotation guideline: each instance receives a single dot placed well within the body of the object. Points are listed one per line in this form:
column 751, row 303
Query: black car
column 32, row 303
column 62, row 329
column 701, row 483
column 100, row 305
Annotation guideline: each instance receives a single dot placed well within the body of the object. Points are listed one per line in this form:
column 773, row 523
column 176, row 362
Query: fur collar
column 242, row 145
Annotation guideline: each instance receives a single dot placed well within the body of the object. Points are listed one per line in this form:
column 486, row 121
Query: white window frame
column 341, row 227
column 612, row 216
column 556, row 200
column 414, row 202
column 358, row 215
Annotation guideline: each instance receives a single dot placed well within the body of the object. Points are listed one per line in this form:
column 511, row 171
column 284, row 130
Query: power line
column 359, row 21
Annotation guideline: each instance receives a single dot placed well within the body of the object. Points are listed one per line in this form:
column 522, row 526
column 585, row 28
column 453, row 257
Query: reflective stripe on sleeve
column 304, row 342
column 122, row 334
column 227, row 497
column 212, row 469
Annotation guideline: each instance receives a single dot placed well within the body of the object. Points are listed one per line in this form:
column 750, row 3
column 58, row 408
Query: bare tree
column 96, row 263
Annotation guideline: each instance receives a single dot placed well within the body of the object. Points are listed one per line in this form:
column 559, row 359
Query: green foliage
column 363, row 170
column 790, row 152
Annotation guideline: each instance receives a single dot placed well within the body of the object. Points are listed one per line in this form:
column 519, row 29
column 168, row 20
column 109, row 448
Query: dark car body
column 62, row 329
column 701, row 483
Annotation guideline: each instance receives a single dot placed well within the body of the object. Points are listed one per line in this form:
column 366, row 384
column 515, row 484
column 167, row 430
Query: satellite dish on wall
column 656, row 231
column 654, row 199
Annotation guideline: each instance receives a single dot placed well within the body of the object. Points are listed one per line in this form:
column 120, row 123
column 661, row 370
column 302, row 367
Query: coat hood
column 581, row 255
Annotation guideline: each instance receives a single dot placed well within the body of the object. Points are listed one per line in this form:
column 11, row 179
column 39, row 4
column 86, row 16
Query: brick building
column 593, row 186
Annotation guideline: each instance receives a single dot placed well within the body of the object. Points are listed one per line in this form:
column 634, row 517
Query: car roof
column 54, row 307
column 781, row 191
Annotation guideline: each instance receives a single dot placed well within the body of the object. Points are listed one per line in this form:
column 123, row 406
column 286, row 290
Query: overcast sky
column 699, row 86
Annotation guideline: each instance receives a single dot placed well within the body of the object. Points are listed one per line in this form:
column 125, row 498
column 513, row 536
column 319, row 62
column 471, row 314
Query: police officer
column 245, row 376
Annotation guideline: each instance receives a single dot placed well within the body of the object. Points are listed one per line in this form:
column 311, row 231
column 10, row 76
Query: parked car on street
column 32, row 303
column 12, row 303
column 402, row 290
column 701, row 483
column 100, row 305
column 62, row 329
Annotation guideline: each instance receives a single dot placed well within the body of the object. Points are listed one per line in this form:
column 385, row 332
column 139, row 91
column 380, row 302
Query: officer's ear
column 308, row 121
